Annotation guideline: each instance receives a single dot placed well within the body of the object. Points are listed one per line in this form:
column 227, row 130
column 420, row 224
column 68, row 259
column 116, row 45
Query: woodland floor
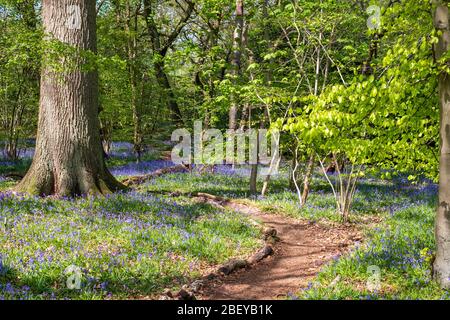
column 158, row 238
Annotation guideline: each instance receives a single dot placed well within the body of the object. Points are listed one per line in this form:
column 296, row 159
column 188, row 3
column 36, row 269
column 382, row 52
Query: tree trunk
column 106, row 129
column 131, row 30
column 292, row 174
column 164, row 83
column 442, row 261
column 236, row 62
column 267, row 77
column 307, row 181
column 69, row 158
column 160, row 47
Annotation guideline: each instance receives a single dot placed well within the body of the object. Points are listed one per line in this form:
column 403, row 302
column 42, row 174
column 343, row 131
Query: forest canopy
column 321, row 71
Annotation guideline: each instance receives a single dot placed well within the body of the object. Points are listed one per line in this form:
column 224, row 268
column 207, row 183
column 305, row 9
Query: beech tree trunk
column 69, row 159
column 442, row 261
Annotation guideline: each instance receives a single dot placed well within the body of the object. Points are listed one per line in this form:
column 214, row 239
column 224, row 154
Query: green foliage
column 20, row 56
column 390, row 118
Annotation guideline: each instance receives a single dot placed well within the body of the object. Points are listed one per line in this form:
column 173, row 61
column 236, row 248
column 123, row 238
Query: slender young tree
column 131, row 28
column 69, row 159
column 442, row 261
column 236, row 62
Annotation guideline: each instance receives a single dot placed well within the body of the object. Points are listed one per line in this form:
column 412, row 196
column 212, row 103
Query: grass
column 126, row 245
column 401, row 248
column 217, row 184
column 20, row 166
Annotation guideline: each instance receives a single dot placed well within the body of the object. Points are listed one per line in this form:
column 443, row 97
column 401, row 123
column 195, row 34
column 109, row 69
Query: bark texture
column 307, row 180
column 442, row 261
column 236, row 62
column 69, row 157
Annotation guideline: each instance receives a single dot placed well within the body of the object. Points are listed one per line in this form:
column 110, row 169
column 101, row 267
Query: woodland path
column 302, row 250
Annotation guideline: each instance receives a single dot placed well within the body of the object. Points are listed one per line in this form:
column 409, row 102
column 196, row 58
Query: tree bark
column 267, row 77
column 236, row 62
column 442, row 261
column 308, row 176
column 164, row 83
column 69, row 159
column 131, row 26
column 160, row 46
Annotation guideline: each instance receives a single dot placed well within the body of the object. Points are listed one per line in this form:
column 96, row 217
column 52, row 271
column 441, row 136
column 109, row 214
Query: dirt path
column 302, row 250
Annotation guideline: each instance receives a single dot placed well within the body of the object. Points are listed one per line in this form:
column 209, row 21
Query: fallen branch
column 208, row 196
column 142, row 179
column 233, row 265
column 261, row 254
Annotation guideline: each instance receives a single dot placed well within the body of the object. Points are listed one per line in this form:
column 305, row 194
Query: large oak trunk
column 69, row 158
column 442, row 261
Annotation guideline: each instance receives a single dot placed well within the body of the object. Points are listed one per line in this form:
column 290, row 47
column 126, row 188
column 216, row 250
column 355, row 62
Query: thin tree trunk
column 236, row 62
column 106, row 129
column 253, row 179
column 442, row 261
column 69, row 157
column 268, row 79
column 292, row 165
column 164, row 83
column 131, row 30
column 307, row 181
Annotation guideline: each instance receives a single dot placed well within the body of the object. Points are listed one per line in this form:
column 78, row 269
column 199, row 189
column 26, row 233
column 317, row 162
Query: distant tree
column 161, row 43
column 19, row 73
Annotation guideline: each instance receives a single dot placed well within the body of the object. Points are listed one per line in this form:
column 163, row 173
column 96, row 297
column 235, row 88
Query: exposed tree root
column 45, row 183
